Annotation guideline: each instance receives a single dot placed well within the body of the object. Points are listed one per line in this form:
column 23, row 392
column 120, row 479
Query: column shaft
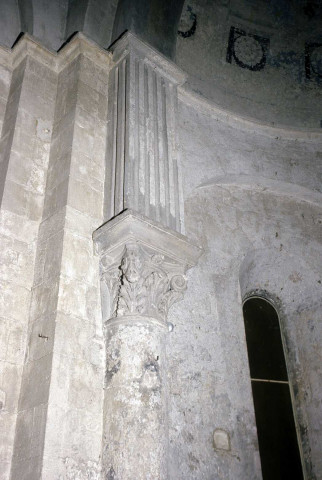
column 142, row 275
column 135, row 405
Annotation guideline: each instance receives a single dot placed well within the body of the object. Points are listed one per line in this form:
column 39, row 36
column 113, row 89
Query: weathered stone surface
column 44, row 282
column 143, row 267
column 135, row 414
column 143, row 165
column 239, row 221
column 24, row 162
column 120, row 380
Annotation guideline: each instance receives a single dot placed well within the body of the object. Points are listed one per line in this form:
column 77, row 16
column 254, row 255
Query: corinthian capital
column 144, row 283
column 143, row 267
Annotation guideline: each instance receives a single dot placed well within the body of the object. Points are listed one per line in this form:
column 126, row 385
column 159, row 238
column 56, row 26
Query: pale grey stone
column 92, row 383
column 221, row 439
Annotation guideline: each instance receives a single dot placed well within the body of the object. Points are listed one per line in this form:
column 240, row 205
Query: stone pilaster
column 142, row 156
column 57, row 431
column 24, row 146
column 143, row 267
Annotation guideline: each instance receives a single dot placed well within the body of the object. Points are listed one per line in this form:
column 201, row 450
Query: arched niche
column 277, row 428
column 264, row 240
column 291, row 286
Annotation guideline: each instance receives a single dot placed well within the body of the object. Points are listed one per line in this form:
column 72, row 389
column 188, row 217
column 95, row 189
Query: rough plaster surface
column 252, row 201
column 277, row 271
column 259, row 236
column 280, row 92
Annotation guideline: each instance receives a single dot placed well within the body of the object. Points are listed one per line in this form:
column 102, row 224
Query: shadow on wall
column 53, row 22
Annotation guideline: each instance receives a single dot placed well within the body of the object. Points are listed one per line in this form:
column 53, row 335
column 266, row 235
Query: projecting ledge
column 143, row 267
column 129, row 225
column 132, row 44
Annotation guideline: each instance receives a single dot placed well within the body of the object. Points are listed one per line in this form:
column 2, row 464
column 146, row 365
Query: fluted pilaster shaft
column 143, row 166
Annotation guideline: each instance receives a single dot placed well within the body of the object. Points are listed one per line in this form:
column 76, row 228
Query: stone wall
column 53, row 137
column 252, row 201
column 69, row 314
column 25, row 141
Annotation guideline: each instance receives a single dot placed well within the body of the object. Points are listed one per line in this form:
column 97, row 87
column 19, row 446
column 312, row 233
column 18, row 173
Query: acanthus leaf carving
column 143, row 284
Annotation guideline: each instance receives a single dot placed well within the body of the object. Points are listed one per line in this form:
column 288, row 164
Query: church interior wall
column 251, row 192
column 233, row 223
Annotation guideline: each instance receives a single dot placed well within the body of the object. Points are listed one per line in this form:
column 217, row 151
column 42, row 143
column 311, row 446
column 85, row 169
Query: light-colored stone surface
column 143, row 267
column 238, row 207
column 25, row 139
column 45, row 187
column 143, row 165
column 220, row 148
column 177, row 402
column 135, row 443
column 221, row 440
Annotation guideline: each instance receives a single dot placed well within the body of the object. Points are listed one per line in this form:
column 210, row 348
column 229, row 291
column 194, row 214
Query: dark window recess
column 277, row 439
column 264, row 342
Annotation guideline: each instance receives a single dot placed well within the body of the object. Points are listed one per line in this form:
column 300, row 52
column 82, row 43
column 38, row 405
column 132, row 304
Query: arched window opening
column 277, row 438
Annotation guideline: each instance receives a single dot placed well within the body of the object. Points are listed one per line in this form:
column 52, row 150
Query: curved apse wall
column 256, row 58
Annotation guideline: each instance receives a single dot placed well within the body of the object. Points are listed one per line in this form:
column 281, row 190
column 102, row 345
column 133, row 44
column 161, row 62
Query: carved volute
column 143, row 284
column 143, row 267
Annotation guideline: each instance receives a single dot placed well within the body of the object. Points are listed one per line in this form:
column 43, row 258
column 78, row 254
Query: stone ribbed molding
column 143, row 267
column 142, row 154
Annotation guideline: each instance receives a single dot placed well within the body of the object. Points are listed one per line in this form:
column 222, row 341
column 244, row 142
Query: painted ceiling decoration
column 240, row 55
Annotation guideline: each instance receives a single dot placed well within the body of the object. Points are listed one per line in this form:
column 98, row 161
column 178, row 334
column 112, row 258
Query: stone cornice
column 56, row 61
column 130, row 43
column 111, row 238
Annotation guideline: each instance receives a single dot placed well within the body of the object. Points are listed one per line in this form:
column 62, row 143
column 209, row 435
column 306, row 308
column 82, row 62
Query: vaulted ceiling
column 53, row 22
column 258, row 58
